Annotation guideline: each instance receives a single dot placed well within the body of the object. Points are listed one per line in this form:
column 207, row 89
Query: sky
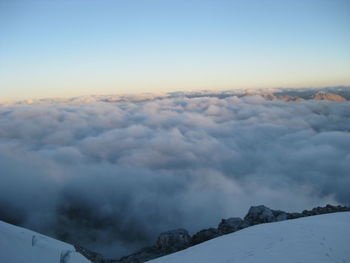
column 79, row 47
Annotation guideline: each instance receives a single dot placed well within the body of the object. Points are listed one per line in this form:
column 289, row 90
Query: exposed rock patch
column 262, row 214
column 204, row 235
column 172, row 241
column 230, row 225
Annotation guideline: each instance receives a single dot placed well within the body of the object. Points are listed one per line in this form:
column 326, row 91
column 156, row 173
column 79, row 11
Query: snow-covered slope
column 19, row 245
column 319, row 239
column 314, row 239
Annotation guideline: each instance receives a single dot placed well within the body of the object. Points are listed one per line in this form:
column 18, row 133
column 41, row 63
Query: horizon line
column 159, row 93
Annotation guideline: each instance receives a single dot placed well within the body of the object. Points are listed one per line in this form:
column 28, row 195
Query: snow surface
column 314, row 239
column 19, row 245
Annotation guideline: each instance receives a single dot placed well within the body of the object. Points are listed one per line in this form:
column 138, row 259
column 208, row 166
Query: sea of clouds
column 112, row 176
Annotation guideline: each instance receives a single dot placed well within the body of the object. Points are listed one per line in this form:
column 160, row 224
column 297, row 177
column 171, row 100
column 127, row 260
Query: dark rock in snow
column 262, row 214
column 279, row 215
column 167, row 242
column 90, row 255
column 142, row 255
column 325, row 210
column 204, row 235
column 174, row 240
column 232, row 224
column 295, row 215
column 259, row 214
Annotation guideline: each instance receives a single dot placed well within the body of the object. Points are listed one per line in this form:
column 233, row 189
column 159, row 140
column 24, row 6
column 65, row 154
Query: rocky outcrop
column 325, row 210
column 167, row 243
column 142, row 255
column 173, row 241
column 179, row 239
column 231, row 225
column 90, row 255
column 262, row 214
column 204, row 235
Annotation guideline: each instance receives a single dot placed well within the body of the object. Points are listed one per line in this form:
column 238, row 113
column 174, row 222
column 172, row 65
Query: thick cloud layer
column 111, row 176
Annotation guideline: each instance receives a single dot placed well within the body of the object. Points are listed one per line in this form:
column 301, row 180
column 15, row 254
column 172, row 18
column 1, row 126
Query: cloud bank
column 111, row 176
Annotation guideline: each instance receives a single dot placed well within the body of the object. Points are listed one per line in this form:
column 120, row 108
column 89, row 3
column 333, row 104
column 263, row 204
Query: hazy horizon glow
column 71, row 48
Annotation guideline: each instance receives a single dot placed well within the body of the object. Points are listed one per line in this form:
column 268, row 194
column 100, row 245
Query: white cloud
column 135, row 169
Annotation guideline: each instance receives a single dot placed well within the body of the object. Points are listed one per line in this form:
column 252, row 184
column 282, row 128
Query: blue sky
column 77, row 47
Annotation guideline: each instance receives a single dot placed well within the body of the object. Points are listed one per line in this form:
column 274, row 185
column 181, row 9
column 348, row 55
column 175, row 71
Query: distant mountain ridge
column 341, row 93
column 321, row 95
